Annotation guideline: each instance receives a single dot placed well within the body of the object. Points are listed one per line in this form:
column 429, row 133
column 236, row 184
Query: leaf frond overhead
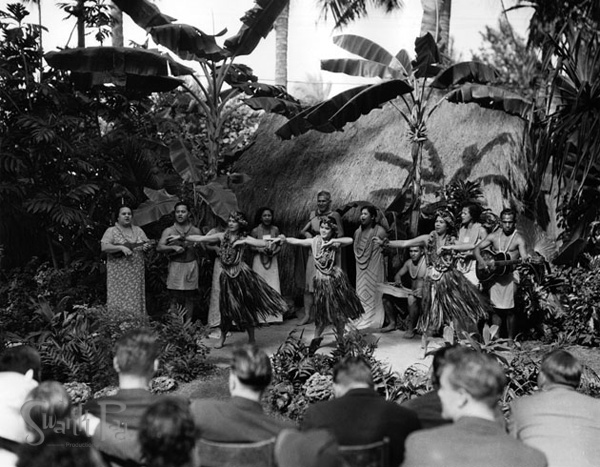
column 492, row 98
column 463, row 72
column 363, row 68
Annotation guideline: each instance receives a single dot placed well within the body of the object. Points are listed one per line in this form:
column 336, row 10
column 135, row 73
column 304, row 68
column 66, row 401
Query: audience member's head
column 167, row 434
column 471, row 384
column 310, row 448
column 250, row 371
column 560, row 367
column 136, row 355
column 439, row 360
column 61, row 450
column 22, row 359
column 351, row 373
column 48, row 408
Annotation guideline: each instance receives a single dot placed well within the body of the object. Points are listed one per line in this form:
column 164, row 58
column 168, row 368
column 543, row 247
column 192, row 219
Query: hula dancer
column 336, row 301
column 245, row 297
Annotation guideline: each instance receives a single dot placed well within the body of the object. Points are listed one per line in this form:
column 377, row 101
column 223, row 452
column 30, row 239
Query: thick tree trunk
column 117, row 25
column 281, row 46
column 80, row 23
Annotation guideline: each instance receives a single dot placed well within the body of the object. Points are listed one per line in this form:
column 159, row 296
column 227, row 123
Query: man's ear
column 233, row 382
column 116, row 365
column 29, row 373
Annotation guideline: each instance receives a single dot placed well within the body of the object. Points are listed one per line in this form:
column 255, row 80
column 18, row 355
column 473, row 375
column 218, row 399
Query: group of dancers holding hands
column 445, row 290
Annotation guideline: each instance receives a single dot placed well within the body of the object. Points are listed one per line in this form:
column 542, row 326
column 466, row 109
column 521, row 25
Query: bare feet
column 388, row 328
column 305, row 320
column 409, row 334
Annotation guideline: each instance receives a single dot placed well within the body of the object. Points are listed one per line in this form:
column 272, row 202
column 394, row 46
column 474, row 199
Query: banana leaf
column 257, row 23
column 472, row 72
column 189, row 42
column 364, row 68
column 188, row 166
column 159, row 204
column 491, row 97
column 144, row 13
column 364, row 48
column 426, row 63
column 221, row 200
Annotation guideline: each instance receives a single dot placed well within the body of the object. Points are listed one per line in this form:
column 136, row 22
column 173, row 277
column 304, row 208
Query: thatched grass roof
column 369, row 161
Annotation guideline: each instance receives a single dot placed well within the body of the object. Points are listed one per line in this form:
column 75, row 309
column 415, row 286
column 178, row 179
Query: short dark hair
column 259, row 213
column 508, row 212
column 48, row 404
column 21, row 359
column 479, row 374
column 122, row 206
column 182, row 203
column 437, row 365
column 561, row 367
column 372, row 210
column 352, row 369
column 167, row 433
column 251, row 366
column 136, row 352
column 475, row 210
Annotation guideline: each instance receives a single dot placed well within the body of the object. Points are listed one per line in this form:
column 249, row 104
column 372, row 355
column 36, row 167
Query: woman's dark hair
column 474, row 209
column 260, row 212
column 117, row 211
column 331, row 223
column 372, row 210
column 167, row 433
column 241, row 219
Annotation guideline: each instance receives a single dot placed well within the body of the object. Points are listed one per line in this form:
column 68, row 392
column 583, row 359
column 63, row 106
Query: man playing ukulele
column 502, row 292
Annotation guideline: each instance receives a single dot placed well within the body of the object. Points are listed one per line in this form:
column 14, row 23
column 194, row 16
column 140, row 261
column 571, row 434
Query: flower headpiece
column 239, row 217
column 447, row 216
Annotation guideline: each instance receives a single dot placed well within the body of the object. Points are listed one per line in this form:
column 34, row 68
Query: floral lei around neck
column 266, row 255
column 440, row 262
column 229, row 254
column 324, row 257
column 363, row 256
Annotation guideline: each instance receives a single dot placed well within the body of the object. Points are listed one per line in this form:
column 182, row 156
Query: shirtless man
column 309, row 231
column 502, row 292
column 416, row 267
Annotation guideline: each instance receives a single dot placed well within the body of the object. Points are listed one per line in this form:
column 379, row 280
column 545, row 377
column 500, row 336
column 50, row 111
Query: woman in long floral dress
column 264, row 262
column 448, row 297
column 245, row 297
column 124, row 244
column 336, row 302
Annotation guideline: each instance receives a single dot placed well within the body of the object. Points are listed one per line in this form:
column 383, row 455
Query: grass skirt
column 336, row 301
column 246, row 298
column 451, row 299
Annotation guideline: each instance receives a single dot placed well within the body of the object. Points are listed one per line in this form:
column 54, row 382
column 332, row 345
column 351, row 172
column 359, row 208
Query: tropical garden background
column 83, row 129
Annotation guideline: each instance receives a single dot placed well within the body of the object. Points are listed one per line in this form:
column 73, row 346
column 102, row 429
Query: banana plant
column 219, row 82
column 413, row 89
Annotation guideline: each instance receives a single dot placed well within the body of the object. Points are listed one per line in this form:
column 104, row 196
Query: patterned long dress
column 125, row 279
column 370, row 271
column 266, row 265
column 448, row 295
column 245, row 297
column 336, row 301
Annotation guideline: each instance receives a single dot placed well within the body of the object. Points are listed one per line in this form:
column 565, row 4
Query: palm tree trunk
column 80, row 23
column 281, row 46
column 117, row 25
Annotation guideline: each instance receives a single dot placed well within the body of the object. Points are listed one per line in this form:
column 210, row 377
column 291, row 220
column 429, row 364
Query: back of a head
column 48, row 407
column 21, row 359
column 353, row 371
column 561, row 367
column 437, row 365
column 477, row 373
column 61, row 450
column 310, row 448
column 136, row 351
column 167, row 433
column 252, row 367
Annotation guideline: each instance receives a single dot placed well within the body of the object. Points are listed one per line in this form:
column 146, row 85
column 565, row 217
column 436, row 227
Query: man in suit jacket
column 560, row 422
column 358, row 414
column 240, row 419
column 470, row 387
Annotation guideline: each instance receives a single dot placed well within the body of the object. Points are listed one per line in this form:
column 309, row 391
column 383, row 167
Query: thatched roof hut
column 370, row 159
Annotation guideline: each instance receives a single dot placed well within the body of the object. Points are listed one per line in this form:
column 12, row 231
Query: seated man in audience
column 359, row 415
column 114, row 421
column 560, row 422
column 428, row 407
column 240, row 419
column 20, row 366
column 471, row 384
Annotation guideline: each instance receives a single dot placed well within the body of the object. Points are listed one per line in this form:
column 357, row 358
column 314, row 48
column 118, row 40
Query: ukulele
column 502, row 265
column 132, row 246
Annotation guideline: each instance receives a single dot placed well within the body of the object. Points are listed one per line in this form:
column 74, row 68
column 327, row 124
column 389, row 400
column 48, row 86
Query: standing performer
column 310, row 230
column 471, row 232
column 265, row 262
column 125, row 244
column 182, row 281
column 448, row 296
column 336, row 301
column 416, row 268
column 370, row 269
column 511, row 245
column 245, row 297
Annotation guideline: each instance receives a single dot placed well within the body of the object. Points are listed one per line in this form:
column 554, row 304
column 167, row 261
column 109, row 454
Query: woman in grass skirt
column 245, row 297
column 448, row 297
column 336, row 301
